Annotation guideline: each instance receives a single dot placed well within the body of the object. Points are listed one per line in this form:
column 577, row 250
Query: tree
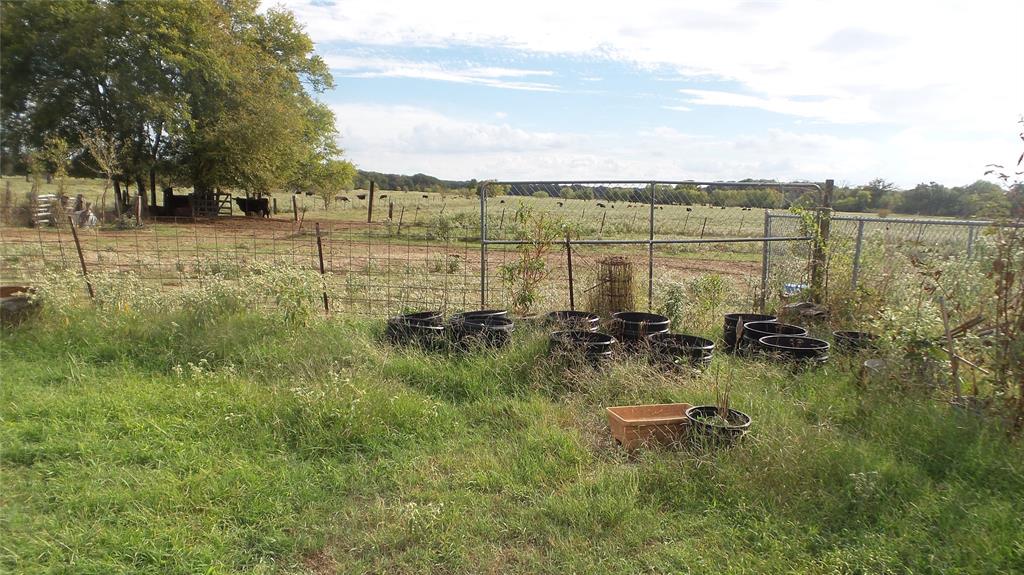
column 878, row 188
column 331, row 177
column 103, row 149
column 217, row 93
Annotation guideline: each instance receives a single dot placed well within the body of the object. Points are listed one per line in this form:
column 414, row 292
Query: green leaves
column 216, row 93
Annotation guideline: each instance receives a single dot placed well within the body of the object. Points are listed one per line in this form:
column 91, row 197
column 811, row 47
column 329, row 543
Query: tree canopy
column 210, row 93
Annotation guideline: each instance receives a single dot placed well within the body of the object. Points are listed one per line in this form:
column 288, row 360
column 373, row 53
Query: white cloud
column 855, row 54
column 838, row 110
column 496, row 77
column 408, row 139
column 678, row 108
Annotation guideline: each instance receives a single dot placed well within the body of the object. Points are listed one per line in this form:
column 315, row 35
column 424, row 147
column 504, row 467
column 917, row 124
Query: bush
column 540, row 194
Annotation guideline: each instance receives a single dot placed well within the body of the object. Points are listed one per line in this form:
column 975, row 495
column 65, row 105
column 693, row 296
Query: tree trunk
column 118, row 197
column 152, row 186
column 141, row 183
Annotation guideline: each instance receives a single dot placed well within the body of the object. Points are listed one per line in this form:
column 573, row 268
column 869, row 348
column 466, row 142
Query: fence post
column 650, row 254
column 81, row 258
column 369, row 207
column 970, row 241
column 765, row 255
column 275, row 206
column 401, row 216
column 482, row 192
column 323, row 278
column 856, row 254
column 818, row 260
column 295, row 209
column 568, row 256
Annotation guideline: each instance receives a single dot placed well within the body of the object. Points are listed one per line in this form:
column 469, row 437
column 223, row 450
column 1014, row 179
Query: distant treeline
column 413, row 183
column 980, row 199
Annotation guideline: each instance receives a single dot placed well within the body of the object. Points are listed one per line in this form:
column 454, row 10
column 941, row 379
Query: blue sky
column 585, row 90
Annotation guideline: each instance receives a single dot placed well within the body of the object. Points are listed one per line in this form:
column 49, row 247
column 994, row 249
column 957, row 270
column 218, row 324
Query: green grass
column 179, row 443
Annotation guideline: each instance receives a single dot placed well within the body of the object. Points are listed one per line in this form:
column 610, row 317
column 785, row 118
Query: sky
column 909, row 91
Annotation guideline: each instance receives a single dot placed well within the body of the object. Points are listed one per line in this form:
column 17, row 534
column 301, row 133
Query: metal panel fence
column 858, row 246
column 447, row 255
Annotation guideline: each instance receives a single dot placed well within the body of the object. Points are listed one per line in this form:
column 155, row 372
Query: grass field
column 216, row 441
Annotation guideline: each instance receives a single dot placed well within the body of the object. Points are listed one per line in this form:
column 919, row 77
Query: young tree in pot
column 719, row 424
column 524, row 275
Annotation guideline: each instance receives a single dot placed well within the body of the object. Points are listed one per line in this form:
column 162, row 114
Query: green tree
column 331, row 177
column 219, row 94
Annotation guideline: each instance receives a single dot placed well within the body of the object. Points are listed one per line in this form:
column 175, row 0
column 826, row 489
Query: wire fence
column 860, row 248
column 438, row 253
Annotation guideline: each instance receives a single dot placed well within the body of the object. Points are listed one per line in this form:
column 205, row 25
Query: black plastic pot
column 633, row 327
column 490, row 330
column 734, row 320
column 853, row 341
column 479, row 313
column 681, row 349
column 568, row 320
column 592, row 345
column 751, row 333
column 795, row 348
column 424, row 328
column 705, row 429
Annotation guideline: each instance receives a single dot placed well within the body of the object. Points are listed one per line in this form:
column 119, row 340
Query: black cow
column 689, row 209
column 383, row 196
column 600, row 205
column 254, row 206
column 425, row 196
column 559, row 204
column 176, row 205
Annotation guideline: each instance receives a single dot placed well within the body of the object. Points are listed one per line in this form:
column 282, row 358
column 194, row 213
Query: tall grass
column 183, row 439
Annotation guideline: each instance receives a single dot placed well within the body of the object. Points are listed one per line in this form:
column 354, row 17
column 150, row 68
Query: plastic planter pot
column 633, row 327
column 593, row 346
column 584, row 320
column 708, row 426
column 682, row 350
column 490, row 330
column 479, row 313
column 733, row 321
column 636, row 426
column 750, row 333
column 424, row 328
column 801, row 349
column 854, row 341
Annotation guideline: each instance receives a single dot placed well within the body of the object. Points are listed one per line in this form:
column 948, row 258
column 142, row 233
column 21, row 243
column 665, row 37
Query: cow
column 425, row 196
column 559, row 204
column 600, row 205
column 254, row 206
column 176, row 205
column 501, row 202
column 360, row 196
column 689, row 209
column 383, row 196
column 341, row 198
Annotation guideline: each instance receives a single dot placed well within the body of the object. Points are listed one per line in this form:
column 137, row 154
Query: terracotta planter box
column 634, row 426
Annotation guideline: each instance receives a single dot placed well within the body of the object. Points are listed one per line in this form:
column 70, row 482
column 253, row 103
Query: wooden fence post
column 81, row 258
column 295, row 209
column 369, row 208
